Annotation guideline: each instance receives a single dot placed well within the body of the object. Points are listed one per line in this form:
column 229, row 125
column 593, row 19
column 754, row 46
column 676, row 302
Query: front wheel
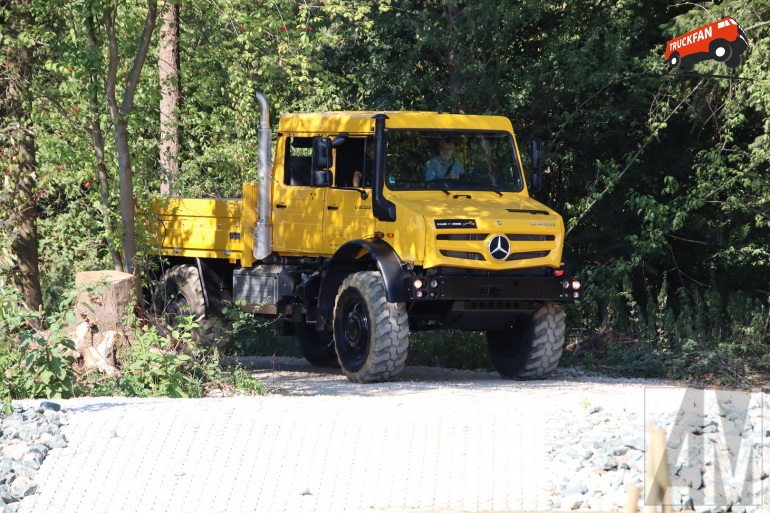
column 734, row 61
column 371, row 335
column 531, row 348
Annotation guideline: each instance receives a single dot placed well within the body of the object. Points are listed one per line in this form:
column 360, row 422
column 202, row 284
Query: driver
column 444, row 165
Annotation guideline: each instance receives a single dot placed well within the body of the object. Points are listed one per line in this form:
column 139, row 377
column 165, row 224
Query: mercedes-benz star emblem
column 499, row 247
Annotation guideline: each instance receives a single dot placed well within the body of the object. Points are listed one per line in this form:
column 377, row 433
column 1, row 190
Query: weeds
column 693, row 334
column 40, row 364
column 47, row 366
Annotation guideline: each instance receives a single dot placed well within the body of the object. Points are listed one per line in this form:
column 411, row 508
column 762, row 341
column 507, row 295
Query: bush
column 698, row 333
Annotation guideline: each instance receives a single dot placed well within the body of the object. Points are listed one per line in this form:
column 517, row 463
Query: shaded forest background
column 661, row 177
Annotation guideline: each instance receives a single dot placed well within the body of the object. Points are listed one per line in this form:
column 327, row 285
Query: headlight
column 418, row 283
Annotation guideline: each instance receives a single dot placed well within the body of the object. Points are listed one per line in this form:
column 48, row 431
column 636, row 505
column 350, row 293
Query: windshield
column 451, row 160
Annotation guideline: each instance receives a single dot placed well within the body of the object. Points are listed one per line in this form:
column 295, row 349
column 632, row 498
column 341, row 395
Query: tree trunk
column 20, row 204
column 126, row 194
column 168, row 70
column 120, row 122
column 25, row 220
column 98, row 138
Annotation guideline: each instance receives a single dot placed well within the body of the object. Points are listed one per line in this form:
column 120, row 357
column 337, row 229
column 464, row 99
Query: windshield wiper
column 498, row 192
column 445, row 191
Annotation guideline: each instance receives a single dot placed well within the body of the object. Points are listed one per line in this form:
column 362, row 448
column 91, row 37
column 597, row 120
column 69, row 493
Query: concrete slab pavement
column 458, row 442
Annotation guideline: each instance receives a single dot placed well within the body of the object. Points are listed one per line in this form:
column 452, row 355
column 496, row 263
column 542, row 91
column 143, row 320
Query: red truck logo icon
column 722, row 41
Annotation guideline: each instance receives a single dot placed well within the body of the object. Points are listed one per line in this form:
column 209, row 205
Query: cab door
column 348, row 217
column 298, row 207
column 298, row 215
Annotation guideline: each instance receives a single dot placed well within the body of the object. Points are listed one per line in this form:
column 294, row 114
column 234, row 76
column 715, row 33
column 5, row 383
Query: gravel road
column 436, row 440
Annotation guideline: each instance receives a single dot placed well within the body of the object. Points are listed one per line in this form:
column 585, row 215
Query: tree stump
column 100, row 312
column 106, row 304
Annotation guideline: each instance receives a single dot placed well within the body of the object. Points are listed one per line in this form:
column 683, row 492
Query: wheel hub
column 356, row 327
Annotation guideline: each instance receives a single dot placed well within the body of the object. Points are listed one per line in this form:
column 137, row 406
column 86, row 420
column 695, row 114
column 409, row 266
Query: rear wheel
column 371, row 335
column 317, row 346
column 183, row 297
column 531, row 348
column 734, row 61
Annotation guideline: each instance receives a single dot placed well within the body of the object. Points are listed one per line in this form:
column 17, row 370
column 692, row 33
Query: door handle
column 332, row 207
column 280, row 205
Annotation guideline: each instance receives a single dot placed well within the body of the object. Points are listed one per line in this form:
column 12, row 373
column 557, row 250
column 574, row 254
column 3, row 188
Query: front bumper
column 499, row 290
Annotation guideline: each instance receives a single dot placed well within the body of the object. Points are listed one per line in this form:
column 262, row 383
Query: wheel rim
column 721, row 51
column 354, row 332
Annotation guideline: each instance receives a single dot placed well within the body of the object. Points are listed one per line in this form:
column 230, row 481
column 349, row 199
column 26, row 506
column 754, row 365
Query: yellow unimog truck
column 367, row 225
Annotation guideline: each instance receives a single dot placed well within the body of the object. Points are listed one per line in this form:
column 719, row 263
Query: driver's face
column 446, row 150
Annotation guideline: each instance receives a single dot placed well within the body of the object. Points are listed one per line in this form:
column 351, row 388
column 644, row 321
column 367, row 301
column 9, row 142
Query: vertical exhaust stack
column 263, row 232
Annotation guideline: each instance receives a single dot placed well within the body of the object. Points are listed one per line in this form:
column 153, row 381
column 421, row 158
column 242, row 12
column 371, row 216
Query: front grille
column 530, row 238
column 482, row 253
column 526, row 255
column 466, row 255
column 462, row 236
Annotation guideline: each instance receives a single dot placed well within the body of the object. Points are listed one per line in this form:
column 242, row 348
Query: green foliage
column 243, row 382
column 451, row 349
column 152, row 369
column 48, row 369
column 34, row 364
column 11, row 362
column 264, row 340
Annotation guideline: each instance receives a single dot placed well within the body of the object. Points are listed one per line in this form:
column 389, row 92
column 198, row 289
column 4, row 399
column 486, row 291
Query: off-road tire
column 371, row 335
column 531, row 348
column 181, row 296
column 317, row 347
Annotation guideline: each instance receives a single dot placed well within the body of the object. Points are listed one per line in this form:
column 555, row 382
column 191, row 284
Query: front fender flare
column 355, row 256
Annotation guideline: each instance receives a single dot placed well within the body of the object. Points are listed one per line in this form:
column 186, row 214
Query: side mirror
column 322, row 153
column 340, row 140
column 536, row 157
column 321, row 178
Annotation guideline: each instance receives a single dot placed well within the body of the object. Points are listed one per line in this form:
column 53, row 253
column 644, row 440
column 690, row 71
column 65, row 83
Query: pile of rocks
column 594, row 460
column 26, row 437
column 718, row 457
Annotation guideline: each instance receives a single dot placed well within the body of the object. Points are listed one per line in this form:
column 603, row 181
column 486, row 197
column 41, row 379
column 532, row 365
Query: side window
column 352, row 169
column 298, row 161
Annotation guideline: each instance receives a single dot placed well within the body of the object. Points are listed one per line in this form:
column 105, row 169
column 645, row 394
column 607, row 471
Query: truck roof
column 363, row 122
